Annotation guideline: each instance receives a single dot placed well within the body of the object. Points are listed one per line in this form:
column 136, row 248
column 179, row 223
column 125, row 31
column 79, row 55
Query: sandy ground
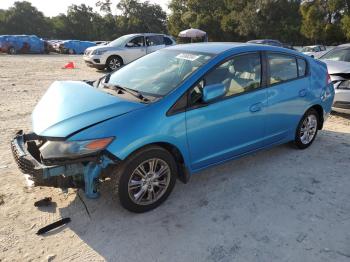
column 276, row 205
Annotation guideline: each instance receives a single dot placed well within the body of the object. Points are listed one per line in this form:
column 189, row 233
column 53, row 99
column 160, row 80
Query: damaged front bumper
column 82, row 172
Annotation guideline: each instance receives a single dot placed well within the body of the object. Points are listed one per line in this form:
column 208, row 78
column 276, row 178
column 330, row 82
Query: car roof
column 344, row 45
column 219, row 47
column 144, row 34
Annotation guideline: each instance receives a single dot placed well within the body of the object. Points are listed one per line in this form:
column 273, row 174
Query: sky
column 54, row 7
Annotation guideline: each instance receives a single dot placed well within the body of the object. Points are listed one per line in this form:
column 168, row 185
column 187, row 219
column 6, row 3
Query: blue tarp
column 22, row 43
column 77, row 46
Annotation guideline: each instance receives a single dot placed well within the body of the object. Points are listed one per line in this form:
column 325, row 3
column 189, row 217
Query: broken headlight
column 344, row 85
column 73, row 149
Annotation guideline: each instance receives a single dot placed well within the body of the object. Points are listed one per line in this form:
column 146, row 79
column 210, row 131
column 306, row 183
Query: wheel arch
column 183, row 172
column 114, row 55
column 319, row 109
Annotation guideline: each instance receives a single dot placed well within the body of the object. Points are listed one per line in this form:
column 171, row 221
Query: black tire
column 12, row 50
column 113, row 63
column 128, row 170
column 305, row 143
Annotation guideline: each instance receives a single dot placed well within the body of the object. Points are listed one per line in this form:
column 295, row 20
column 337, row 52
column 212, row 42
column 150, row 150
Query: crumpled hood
column 69, row 106
column 337, row 67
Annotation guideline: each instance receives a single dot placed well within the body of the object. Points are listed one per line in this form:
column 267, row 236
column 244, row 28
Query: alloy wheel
column 308, row 129
column 149, row 181
column 114, row 64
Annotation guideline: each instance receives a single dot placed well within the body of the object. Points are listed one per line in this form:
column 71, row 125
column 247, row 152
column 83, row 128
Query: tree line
column 295, row 22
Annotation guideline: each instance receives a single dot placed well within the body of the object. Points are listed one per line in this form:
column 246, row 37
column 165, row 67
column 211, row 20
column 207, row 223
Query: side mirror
column 212, row 92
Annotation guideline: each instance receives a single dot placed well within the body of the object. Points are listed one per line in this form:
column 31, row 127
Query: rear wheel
column 113, row 63
column 147, row 179
column 307, row 129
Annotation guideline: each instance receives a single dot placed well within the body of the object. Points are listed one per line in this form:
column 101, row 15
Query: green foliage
column 83, row 23
column 346, row 26
column 290, row 21
column 322, row 20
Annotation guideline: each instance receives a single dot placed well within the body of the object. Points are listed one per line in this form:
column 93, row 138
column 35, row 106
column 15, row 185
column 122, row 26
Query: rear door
column 134, row 49
column 287, row 94
column 154, row 43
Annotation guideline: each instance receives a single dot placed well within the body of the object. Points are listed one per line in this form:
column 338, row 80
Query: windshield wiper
column 132, row 92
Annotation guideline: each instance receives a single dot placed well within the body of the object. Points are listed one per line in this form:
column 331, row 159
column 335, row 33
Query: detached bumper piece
column 74, row 174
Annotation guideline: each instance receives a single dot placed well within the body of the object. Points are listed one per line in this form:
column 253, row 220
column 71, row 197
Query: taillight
column 328, row 79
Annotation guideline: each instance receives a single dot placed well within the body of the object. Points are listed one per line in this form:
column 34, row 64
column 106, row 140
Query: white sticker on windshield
column 190, row 57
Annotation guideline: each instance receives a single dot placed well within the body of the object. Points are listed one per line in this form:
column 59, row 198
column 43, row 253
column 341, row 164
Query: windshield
column 119, row 41
column 160, row 72
column 308, row 49
column 338, row 55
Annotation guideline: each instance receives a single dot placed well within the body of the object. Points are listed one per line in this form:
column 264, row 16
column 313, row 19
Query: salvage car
column 23, row 44
column 150, row 123
column 74, row 47
column 125, row 49
column 338, row 62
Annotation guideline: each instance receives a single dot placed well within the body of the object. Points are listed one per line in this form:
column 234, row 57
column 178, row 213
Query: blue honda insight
column 170, row 114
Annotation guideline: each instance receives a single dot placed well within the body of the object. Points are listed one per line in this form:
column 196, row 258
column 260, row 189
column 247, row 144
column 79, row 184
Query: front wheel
column 113, row 63
column 12, row 51
column 307, row 129
column 147, row 179
column 71, row 51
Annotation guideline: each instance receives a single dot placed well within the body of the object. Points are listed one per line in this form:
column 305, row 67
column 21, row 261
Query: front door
column 235, row 124
column 134, row 49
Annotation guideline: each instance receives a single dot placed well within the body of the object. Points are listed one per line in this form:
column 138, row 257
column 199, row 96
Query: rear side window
column 167, row 41
column 301, row 67
column 282, row 68
column 154, row 40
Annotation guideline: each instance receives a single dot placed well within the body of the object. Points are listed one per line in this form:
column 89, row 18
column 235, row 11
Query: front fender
column 138, row 129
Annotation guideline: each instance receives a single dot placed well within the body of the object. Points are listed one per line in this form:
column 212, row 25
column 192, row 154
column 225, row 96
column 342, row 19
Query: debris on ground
column 2, row 201
column 54, row 225
column 47, row 201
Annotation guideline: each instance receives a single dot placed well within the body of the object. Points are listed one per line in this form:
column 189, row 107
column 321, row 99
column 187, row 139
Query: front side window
column 282, row 68
column 154, row 40
column 136, row 42
column 239, row 75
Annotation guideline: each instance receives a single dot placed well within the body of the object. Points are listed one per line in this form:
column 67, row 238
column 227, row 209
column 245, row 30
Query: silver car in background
column 125, row 49
column 338, row 63
column 315, row 51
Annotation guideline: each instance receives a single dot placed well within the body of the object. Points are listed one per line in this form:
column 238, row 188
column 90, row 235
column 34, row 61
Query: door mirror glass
column 212, row 92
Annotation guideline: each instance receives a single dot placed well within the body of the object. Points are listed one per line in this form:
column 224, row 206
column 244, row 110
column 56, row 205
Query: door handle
column 256, row 107
column 302, row 92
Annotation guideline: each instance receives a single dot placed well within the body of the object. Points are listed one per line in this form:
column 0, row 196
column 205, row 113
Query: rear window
column 154, row 40
column 282, row 68
column 301, row 67
column 167, row 41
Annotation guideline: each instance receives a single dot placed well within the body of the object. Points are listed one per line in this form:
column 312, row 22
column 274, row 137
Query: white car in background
column 125, row 49
column 314, row 50
column 338, row 63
